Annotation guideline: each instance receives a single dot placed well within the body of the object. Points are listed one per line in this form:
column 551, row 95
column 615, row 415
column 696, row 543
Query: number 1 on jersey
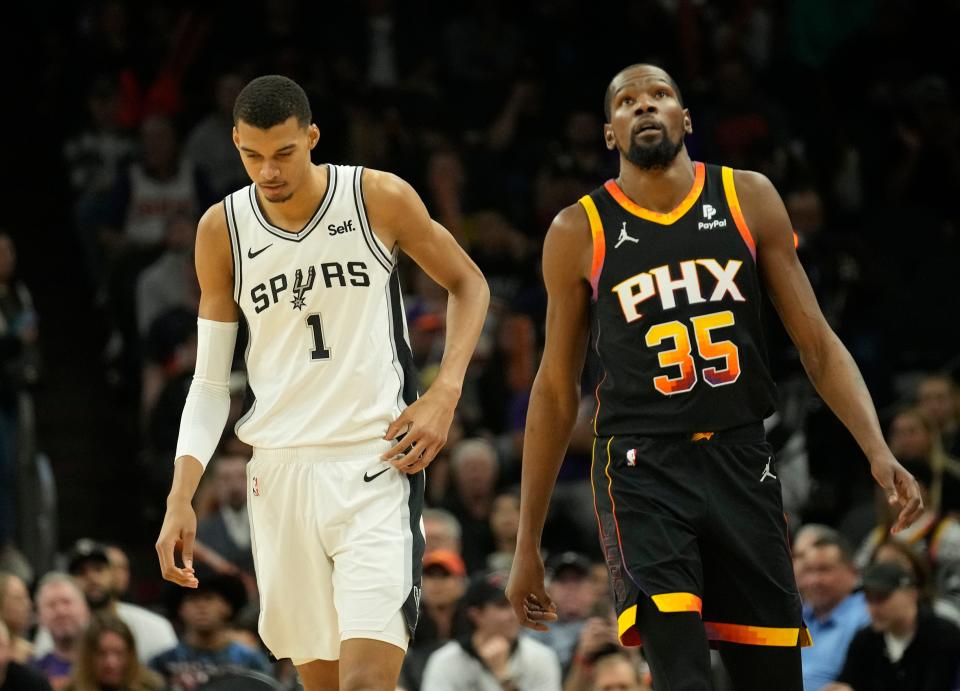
column 320, row 351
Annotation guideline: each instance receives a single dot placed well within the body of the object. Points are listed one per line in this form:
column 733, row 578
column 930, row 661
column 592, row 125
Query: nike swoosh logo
column 367, row 477
column 252, row 254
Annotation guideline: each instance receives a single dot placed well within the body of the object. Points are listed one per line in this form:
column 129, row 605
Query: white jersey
column 328, row 356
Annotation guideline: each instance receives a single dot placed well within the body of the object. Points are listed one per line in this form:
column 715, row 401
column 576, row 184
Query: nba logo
column 632, row 457
column 256, row 486
column 708, row 211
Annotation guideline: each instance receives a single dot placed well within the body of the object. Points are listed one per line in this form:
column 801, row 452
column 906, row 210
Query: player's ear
column 687, row 122
column 236, row 138
column 313, row 135
column 608, row 137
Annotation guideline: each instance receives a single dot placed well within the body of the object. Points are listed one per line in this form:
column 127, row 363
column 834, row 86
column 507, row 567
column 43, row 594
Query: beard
column 653, row 156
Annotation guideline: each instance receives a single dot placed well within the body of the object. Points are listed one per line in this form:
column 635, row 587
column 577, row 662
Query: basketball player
column 307, row 255
column 662, row 269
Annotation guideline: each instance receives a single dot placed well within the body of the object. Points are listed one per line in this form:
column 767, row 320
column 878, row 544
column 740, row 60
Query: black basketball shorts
column 695, row 522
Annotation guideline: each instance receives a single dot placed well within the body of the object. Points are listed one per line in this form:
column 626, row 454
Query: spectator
column 614, row 670
column 906, row 647
column 108, row 660
column 489, row 656
column 94, row 158
column 475, row 472
column 13, row 675
column 210, row 146
column 143, row 201
column 598, row 638
column 64, row 616
column 918, row 566
column 89, row 564
column 939, row 402
column 932, row 534
column 574, row 166
column 444, row 581
column 803, row 541
column 16, row 612
column 120, row 567
column 159, row 186
column 225, row 534
column 19, row 359
column 441, row 530
column 570, row 587
column 915, row 441
column 832, row 610
column 206, row 649
column 94, row 155
column 170, row 282
column 504, row 524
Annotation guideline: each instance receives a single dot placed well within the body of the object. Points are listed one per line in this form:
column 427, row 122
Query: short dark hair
column 841, row 543
column 608, row 96
column 270, row 100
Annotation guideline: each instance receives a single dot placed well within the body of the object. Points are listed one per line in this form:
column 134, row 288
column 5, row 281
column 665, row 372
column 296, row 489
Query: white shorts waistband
column 330, row 452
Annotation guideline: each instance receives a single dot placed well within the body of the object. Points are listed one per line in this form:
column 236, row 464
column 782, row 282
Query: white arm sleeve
column 208, row 402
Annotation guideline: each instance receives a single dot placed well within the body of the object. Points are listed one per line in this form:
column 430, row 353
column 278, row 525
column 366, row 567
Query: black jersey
column 676, row 312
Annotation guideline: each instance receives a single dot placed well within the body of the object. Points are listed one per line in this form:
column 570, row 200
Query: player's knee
column 319, row 675
column 364, row 678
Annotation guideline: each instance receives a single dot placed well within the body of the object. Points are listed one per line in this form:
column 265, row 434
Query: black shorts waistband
column 751, row 433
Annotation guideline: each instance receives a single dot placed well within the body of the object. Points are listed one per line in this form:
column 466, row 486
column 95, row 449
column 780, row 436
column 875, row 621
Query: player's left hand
column 900, row 487
column 426, row 423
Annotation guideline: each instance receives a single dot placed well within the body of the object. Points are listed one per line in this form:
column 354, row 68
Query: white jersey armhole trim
column 376, row 247
column 233, row 234
column 395, row 353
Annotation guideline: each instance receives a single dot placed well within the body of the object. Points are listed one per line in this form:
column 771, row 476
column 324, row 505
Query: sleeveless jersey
column 676, row 312
column 328, row 355
column 153, row 202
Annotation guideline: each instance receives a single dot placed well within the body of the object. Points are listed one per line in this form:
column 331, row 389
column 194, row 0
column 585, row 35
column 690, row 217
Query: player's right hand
column 179, row 530
column 526, row 592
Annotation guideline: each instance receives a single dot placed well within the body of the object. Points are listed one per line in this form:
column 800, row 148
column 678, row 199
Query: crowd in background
column 493, row 111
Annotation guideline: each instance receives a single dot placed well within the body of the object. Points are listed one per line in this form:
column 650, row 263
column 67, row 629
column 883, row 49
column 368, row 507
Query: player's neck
column 659, row 189
column 296, row 211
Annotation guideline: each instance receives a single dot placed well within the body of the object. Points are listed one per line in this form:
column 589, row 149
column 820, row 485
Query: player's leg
column 676, row 648
column 751, row 606
column 378, row 554
column 647, row 498
column 762, row 667
column 298, row 618
column 369, row 665
column 320, row 675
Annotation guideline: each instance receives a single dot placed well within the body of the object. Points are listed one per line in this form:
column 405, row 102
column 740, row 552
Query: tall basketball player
column 307, row 256
column 662, row 269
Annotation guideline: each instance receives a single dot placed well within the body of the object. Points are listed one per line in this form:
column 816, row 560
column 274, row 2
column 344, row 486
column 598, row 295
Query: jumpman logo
column 624, row 237
column 766, row 471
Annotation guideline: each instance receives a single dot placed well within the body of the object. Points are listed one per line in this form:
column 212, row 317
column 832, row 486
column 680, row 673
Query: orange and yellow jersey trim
column 668, row 218
column 730, row 189
column 789, row 637
column 786, row 637
column 599, row 243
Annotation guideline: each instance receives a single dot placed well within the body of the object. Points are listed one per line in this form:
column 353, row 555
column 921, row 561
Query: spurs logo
column 300, row 288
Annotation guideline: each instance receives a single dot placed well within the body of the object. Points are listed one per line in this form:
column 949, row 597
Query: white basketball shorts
column 337, row 544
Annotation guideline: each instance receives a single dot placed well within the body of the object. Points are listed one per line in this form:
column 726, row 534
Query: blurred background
column 493, row 111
